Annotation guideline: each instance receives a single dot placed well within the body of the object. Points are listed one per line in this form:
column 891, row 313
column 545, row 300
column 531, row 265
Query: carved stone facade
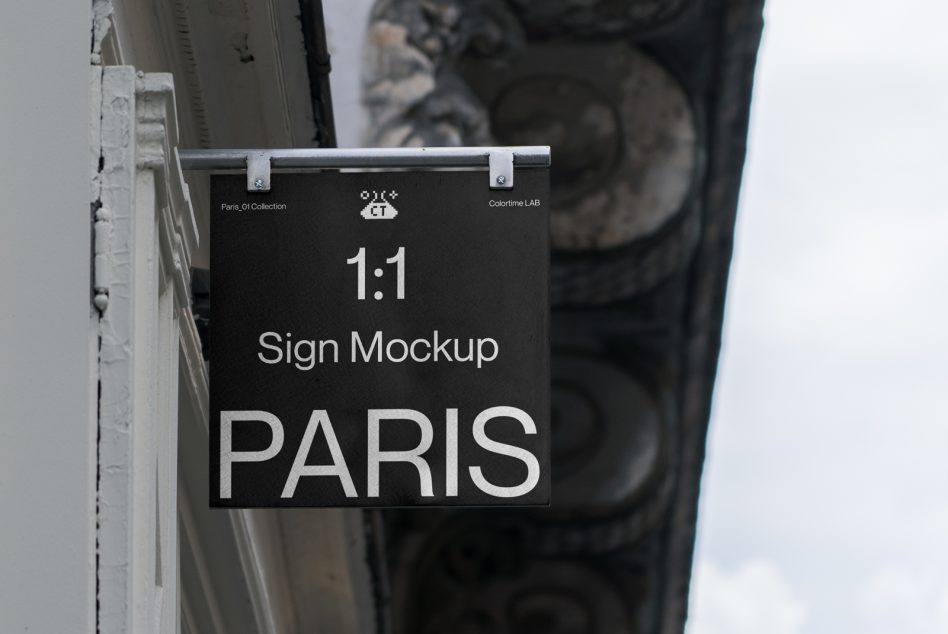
column 645, row 105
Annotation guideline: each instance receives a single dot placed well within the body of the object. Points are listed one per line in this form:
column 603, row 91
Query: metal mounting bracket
column 501, row 168
column 259, row 163
column 258, row 172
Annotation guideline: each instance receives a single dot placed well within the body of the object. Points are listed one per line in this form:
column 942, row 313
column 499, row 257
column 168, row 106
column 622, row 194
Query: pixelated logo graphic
column 379, row 205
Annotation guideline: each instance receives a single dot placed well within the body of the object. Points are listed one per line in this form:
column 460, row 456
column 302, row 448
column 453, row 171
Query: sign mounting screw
column 258, row 183
column 501, row 179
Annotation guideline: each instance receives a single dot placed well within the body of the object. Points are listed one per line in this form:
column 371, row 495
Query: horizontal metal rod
column 524, row 156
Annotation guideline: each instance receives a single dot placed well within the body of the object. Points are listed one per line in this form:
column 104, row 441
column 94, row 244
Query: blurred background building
column 645, row 104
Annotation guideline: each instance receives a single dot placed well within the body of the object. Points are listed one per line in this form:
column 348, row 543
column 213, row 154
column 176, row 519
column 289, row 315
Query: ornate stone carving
column 599, row 278
column 624, row 134
column 630, row 210
column 625, row 160
column 625, row 144
column 624, row 137
column 485, row 578
column 610, row 447
column 586, row 18
column 412, row 94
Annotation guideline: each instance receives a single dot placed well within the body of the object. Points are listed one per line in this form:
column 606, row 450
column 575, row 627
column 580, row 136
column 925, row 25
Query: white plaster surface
column 47, row 349
column 346, row 22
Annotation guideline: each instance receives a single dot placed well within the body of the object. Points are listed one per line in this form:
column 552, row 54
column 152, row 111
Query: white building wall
column 346, row 25
column 47, row 344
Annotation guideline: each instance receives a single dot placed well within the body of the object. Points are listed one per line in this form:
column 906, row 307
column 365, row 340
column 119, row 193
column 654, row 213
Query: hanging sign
column 379, row 339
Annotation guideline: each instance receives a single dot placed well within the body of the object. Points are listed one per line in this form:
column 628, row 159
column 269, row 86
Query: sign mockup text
column 379, row 339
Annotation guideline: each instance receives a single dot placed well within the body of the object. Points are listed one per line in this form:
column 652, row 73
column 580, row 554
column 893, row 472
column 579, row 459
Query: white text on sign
column 375, row 456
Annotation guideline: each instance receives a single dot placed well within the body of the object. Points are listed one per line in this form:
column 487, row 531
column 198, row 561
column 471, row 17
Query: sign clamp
column 501, row 168
column 258, row 172
column 499, row 161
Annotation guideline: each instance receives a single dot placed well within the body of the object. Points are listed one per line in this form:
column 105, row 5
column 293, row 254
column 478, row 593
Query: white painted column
column 47, row 324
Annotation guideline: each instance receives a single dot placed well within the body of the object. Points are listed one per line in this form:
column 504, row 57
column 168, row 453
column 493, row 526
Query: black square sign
column 380, row 339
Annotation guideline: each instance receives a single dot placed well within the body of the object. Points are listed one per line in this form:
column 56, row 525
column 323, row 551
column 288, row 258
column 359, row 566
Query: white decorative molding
column 116, row 372
column 154, row 387
column 231, row 573
column 142, row 293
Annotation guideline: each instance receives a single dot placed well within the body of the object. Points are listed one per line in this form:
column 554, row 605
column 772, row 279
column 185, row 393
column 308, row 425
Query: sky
column 824, row 504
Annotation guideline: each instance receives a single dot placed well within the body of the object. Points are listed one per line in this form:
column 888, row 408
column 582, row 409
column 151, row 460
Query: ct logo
column 379, row 206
